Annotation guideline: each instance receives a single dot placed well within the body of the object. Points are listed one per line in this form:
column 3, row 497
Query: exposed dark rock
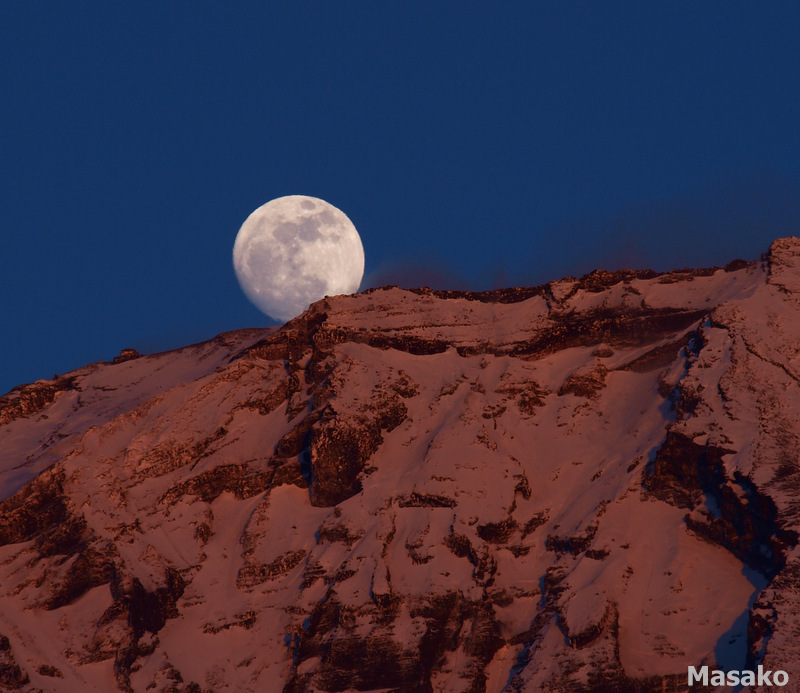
column 594, row 282
column 523, row 487
column 411, row 345
column 90, row 569
column 578, row 543
column 40, row 510
column 511, row 295
column 276, row 347
column 685, row 399
column 27, row 400
column 606, row 326
column 336, row 455
column 593, row 631
column 149, row 611
column 292, row 442
column 245, row 620
column 536, row 521
column 252, row 574
column 585, row 383
column 492, row 411
column 425, row 500
column 203, row 532
column 51, row 671
column 268, row 403
column 127, row 355
column 239, row 479
column 460, row 546
column 324, row 453
column 418, row 558
column 552, row 582
column 144, row 612
column 12, row 676
column 64, row 538
column 484, row 565
column 736, row 265
column 747, row 526
column 600, row 280
column 337, row 533
column 291, row 341
column 658, row 357
column 682, row 470
column 445, row 616
column 313, row 571
column 340, row 576
column 531, row 399
column 615, row 327
column 497, row 532
column 169, row 456
column 337, row 452
column 597, row 554
column 405, row 386
column 529, row 395
column 287, row 472
column 366, row 664
column 350, row 623
column 744, row 520
column 760, row 627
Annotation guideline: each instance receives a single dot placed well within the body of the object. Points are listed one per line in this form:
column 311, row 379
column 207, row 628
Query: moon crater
column 295, row 250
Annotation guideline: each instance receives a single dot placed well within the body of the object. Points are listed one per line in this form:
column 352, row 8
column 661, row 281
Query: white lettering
column 763, row 676
column 700, row 676
column 718, row 677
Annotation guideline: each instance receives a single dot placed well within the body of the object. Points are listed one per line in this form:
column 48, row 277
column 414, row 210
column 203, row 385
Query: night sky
column 473, row 145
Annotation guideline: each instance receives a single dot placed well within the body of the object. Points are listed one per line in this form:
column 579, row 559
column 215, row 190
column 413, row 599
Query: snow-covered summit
column 584, row 486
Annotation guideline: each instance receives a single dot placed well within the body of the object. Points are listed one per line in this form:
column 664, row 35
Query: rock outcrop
column 584, row 486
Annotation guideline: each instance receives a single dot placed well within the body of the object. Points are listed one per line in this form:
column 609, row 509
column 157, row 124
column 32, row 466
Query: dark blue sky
column 472, row 144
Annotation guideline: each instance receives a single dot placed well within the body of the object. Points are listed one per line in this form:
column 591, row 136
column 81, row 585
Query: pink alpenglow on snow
column 584, row 486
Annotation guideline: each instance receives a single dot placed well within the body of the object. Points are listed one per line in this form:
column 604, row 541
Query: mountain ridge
column 420, row 490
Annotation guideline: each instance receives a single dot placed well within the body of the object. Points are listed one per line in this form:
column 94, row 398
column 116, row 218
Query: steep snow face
column 39, row 423
column 588, row 485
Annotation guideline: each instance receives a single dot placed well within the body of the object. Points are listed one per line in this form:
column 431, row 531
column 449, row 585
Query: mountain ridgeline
column 585, row 486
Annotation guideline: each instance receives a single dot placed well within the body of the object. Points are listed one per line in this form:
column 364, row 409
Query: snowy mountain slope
column 589, row 485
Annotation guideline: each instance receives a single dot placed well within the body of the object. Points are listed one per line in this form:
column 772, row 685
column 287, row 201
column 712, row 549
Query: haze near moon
column 295, row 250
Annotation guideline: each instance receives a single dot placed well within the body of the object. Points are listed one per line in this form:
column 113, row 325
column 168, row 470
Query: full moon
column 295, row 250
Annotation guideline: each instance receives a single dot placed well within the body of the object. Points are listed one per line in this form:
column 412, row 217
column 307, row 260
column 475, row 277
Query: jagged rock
column 743, row 520
column 27, row 400
column 126, row 355
column 90, row 568
column 586, row 382
column 683, row 470
column 252, row 574
column 12, row 677
column 497, row 532
column 427, row 500
column 41, row 511
column 527, row 489
column 239, row 479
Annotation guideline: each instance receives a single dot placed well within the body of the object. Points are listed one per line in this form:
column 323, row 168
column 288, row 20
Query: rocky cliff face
column 585, row 486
